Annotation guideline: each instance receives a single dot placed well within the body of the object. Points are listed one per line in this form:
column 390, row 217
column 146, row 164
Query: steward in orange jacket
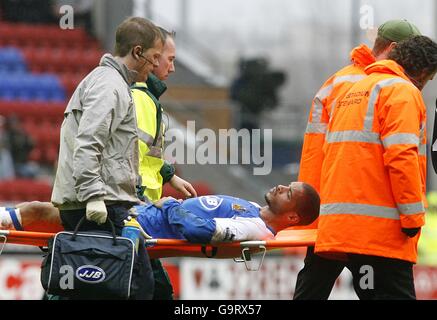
column 312, row 281
column 373, row 173
column 372, row 179
column 311, row 161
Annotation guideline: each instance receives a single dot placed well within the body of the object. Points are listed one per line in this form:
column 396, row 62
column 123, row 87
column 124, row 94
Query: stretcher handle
column 246, row 257
column 4, row 239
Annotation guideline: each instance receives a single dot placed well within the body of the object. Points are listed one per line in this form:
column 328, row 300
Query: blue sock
column 15, row 217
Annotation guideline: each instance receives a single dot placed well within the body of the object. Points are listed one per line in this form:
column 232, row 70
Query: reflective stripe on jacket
column 314, row 138
column 150, row 141
column 312, row 151
column 372, row 179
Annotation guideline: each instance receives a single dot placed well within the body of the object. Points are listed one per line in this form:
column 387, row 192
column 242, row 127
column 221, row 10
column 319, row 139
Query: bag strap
column 76, row 230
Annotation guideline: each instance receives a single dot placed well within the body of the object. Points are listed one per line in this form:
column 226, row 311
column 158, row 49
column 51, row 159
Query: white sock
column 6, row 221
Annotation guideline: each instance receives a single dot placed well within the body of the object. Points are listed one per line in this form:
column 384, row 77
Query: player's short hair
column 308, row 206
column 136, row 31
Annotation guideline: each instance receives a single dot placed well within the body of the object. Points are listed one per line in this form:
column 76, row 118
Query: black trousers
column 374, row 278
column 163, row 286
column 142, row 279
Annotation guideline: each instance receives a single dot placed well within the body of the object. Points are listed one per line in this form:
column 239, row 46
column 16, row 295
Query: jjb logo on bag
column 90, row 274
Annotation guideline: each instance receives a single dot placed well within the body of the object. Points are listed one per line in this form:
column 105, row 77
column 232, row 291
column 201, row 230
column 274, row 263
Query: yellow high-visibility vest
column 150, row 146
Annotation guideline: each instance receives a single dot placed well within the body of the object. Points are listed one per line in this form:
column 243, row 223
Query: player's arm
column 240, row 229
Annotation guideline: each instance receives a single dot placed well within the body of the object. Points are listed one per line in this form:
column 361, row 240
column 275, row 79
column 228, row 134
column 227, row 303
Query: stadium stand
column 40, row 67
column 41, row 120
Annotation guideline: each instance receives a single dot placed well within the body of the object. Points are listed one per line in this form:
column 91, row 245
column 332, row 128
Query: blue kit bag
column 89, row 265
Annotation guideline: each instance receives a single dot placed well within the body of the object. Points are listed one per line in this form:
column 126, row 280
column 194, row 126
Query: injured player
column 205, row 219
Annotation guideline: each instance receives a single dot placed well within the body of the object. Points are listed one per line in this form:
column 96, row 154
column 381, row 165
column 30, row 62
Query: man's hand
column 160, row 202
column 96, row 211
column 183, row 186
column 411, row 232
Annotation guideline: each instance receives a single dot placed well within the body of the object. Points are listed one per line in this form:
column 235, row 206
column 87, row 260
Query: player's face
column 283, row 198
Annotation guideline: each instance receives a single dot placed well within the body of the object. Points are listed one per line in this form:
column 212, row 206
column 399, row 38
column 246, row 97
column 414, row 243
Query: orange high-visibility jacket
column 314, row 138
column 335, row 86
column 372, row 181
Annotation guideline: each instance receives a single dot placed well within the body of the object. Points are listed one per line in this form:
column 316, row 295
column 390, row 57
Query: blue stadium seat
column 18, row 84
column 53, row 87
column 12, row 60
column 28, row 87
column 8, row 85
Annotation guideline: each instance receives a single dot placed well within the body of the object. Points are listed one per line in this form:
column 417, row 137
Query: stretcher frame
column 163, row 248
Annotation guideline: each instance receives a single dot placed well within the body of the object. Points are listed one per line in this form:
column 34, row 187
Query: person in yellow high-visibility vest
column 154, row 170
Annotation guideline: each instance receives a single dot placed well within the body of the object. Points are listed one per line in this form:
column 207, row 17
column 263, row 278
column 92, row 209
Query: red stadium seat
column 47, row 48
column 20, row 190
column 42, row 122
column 36, row 155
column 70, row 81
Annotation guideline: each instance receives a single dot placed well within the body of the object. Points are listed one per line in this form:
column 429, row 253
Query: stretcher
column 162, row 248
